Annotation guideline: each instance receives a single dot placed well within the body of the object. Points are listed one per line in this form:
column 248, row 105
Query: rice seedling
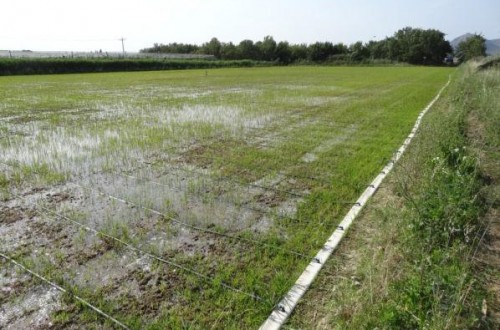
column 238, row 175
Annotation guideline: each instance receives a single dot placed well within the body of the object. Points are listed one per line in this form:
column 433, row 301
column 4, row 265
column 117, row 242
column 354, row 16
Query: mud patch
column 59, row 197
column 12, row 283
column 195, row 155
column 150, row 292
column 105, row 268
column 270, row 198
column 33, row 310
column 9, row 215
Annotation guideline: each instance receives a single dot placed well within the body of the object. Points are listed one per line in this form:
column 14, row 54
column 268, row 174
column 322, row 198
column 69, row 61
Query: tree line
column 410, row 45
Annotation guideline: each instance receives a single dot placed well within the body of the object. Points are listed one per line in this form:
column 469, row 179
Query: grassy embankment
column 425, row 252
column 199, row 147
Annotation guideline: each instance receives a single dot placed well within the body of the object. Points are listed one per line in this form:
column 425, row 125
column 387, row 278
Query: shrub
column 82, row 65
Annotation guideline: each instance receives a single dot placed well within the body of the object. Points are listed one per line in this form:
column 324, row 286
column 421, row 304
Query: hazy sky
column 88, row 25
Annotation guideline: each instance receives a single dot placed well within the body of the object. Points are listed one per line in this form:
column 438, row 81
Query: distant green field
column 233, row 177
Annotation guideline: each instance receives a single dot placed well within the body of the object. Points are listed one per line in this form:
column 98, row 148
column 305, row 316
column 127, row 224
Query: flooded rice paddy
column 184, row 198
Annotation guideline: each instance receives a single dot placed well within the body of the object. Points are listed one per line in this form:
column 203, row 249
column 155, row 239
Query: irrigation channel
column 131, row 207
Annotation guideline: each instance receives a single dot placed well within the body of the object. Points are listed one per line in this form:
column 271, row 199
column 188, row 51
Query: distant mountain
column 454, row 43
column 492, row 46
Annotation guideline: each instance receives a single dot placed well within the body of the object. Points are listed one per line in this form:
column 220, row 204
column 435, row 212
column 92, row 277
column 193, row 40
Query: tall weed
column 439, row 289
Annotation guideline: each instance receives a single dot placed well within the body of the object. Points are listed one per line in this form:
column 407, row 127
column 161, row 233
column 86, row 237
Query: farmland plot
column 189, row 198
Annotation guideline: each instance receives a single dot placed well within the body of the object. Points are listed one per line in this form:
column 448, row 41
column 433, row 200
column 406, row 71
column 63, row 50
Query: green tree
column 418, row 46
column 284, row 52
column 247, row 49
column 393, row 49
column 213, row 47
column 173, row 48
column 434, row 46
column 267, row 49
column 229, row 52
column 378, row 49
column 407, row 40
column 471, row 47
column 320, row 51
column 340, row 49
column 359, row 51
column 299, row 52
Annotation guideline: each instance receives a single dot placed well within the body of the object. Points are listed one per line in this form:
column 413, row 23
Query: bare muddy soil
column 52, row 229
column 170, row 204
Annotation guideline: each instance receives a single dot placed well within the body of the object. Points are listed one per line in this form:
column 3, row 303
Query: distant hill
column 492, row 46
column 454, row 43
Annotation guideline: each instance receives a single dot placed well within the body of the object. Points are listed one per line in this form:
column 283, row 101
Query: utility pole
column 123, row 45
